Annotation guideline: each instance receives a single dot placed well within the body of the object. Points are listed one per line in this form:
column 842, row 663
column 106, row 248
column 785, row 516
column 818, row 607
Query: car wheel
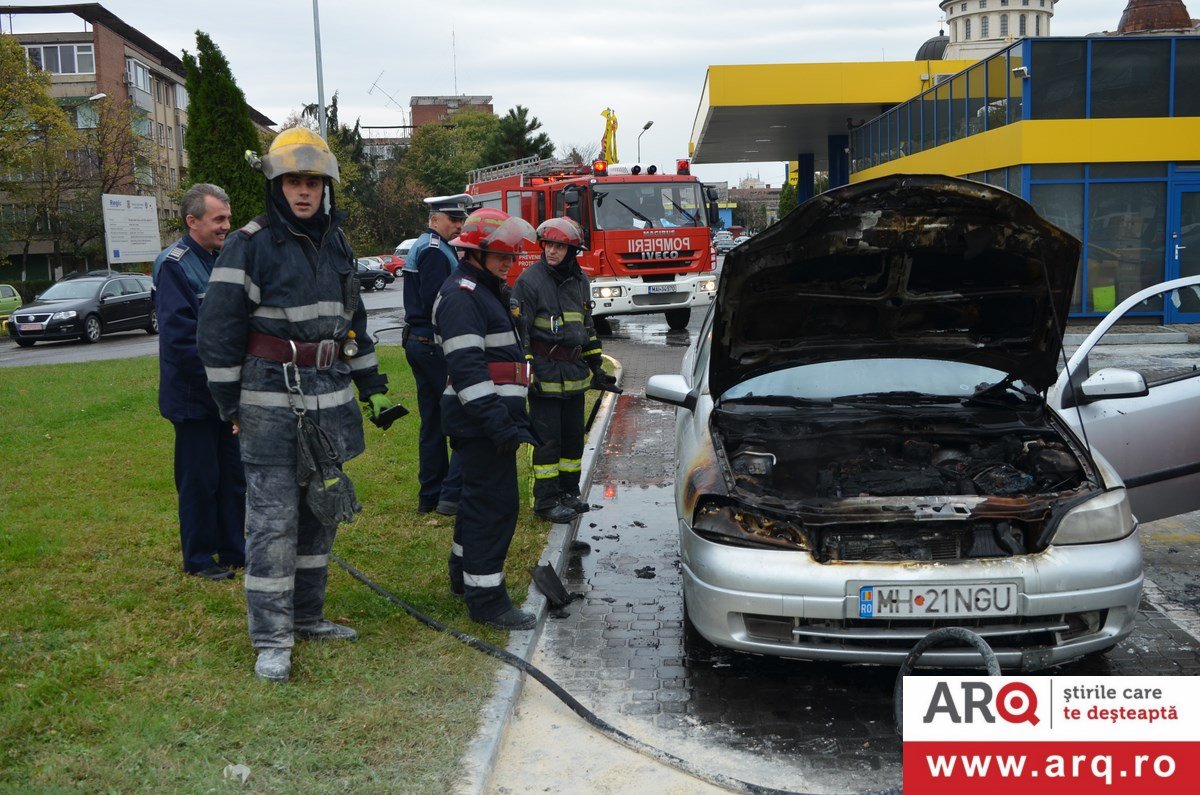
column 152, row 326
column 678, row 319
column 91, row 329
column 380, row 283
column 23, row 343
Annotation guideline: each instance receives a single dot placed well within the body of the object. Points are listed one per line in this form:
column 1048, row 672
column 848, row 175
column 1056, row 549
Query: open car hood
column 902, row 266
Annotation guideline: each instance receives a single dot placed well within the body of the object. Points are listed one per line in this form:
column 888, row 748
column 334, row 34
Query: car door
column 112, row 305
column 137, row 295
column 1145, row 428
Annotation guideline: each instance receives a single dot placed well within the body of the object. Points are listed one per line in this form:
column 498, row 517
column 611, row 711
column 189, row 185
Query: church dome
column 1144, row 16
column 932, row 49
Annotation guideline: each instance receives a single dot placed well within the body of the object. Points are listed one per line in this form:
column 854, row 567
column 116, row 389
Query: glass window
column 112, row 289
column 1003, row 2
column 976, row 98
column 50, row 59
column 1014, row 180
column 928, row 120
column 1129, row 171
column 85, row 60
column 1058, row 87
column 1057, row 171
column 963, row 7
column 958, row 107
column 1021, row 26
column 1062, row 205
column 997, row 92
column 170, row 138
column 966, row 30
column 1016, row 84
column 1187, row 77
column 86, row 116
column 983, row 3
column 1130, row 78
column 942, row 98
column 181, row 96
column 1126, row 239
column 903, row 136
column 1004, row 24
column 1037, row 24
column 983, row 27
column 35, row 56
column 648, row 205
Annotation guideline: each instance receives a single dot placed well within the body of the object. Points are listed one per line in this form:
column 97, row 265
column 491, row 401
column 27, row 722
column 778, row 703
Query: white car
column 865, row 451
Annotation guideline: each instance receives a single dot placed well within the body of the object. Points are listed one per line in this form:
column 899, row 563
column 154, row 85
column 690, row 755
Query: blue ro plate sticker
column 866, row 601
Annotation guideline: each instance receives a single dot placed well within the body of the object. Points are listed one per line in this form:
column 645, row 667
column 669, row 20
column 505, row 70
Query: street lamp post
column 647, row 126
column 320, row 73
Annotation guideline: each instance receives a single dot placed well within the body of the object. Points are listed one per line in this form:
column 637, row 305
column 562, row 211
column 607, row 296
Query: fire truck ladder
column 525, row 165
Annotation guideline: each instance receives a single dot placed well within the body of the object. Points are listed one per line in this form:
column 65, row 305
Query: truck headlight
column 708, row 286
column 68, row 315
column 1105, row 517
column 607, row 292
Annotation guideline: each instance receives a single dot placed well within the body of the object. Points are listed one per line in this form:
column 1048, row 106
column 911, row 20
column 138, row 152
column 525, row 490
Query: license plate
column 661, row 288
column 958, row 600
column 31, row 327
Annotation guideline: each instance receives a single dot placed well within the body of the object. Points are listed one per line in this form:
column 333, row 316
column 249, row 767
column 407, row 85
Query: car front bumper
column 54, row 330
column 1071, row 601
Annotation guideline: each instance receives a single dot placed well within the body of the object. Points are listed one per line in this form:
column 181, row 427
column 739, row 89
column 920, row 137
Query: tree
column 580, row 153
column 220, row 131
column 515, row 139
column 439, row 157
column 787, row 198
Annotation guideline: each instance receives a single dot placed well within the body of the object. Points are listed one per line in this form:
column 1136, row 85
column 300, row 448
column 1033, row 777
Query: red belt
column 556, row 352
column 509, row 373
column 321, row 354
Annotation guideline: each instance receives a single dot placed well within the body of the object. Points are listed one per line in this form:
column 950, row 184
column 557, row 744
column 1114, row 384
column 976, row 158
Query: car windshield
column 72, row 290
column 901, row 380
column 641, row 205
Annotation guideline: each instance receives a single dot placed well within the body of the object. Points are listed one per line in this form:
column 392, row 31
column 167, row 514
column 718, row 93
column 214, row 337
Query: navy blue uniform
column 273, row 279
column 429, row 262
column 483, row 410
column 209, row 477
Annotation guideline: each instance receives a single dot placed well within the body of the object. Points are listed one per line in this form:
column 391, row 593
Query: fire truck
column 649, row 243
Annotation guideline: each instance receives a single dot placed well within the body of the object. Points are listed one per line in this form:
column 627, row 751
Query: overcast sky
column 565, row 61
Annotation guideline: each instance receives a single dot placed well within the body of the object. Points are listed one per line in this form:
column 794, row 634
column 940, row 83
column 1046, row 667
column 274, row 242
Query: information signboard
column 130, row 228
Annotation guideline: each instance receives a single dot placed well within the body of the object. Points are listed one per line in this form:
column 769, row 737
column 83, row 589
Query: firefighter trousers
column 439, row 474
column 484, row 526
column 212, row 494
column 287, row 557
column 558, row 460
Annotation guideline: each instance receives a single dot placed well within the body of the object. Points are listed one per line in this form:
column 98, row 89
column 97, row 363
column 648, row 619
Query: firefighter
column 428, row 264
column 282, row 335
column 483, row 409
column 555, row 320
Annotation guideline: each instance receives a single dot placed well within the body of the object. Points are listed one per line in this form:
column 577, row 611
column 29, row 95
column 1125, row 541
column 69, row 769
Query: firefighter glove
column 379, row 403
column 601, row 379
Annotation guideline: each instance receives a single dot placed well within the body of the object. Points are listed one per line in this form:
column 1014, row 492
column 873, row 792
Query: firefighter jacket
column 180, row 278
column 484, row 359
column 555, row 322
column 428, row 264
column 272, row 279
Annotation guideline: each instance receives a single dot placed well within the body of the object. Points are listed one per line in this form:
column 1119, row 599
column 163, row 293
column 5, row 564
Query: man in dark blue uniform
column 483, row 408
column 208, row 465
column 429, row 262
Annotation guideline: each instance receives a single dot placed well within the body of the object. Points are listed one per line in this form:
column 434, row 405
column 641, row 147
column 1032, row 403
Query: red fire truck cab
column 649, row 244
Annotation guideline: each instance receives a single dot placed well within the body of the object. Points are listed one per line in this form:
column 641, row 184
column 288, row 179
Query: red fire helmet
column 561, row 230
column 491, row 230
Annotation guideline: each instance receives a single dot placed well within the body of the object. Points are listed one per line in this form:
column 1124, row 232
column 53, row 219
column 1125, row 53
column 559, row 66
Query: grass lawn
column 119, row 673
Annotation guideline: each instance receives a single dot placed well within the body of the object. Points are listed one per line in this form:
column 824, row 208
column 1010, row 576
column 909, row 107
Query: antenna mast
column 454, row 59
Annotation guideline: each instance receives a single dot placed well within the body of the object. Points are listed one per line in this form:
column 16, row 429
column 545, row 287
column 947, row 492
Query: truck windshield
column 648, row 205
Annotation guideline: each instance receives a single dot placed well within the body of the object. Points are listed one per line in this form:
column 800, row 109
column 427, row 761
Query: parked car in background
column 723, row 241
column 740, row 239
column 404, row 247
column 10, row 299
column 866, row 451
column 390, row 263
column 86, row 306
column 371, row 276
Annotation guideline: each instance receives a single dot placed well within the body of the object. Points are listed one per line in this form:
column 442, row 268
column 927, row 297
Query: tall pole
column 647, row 126
column 320, row 73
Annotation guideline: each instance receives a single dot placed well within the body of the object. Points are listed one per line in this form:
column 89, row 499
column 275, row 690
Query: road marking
column 1187, row 620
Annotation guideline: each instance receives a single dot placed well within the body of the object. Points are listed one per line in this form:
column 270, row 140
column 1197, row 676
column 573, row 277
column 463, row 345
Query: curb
column 480, row 758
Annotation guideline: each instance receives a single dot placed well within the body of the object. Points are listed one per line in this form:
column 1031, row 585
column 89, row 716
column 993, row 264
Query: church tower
column 978, row 28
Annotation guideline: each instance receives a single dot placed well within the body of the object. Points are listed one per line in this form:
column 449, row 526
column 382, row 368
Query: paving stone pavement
column 624, row 650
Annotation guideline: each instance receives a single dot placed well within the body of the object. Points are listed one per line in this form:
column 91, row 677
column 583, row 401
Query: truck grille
column 674, row 260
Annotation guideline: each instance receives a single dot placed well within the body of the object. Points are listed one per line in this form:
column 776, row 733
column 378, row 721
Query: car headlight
column 731, row 524
column 708, row 286
column 1105, row 517
column 68, row 315
column 607, row 292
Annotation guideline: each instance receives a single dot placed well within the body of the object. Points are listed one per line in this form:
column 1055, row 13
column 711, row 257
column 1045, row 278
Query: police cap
column 453, row 206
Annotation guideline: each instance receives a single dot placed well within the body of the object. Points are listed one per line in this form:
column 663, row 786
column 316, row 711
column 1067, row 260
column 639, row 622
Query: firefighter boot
column 557, row 513
column 512, row 620
column 325, row 630
column 274, row 665
column 576, row 504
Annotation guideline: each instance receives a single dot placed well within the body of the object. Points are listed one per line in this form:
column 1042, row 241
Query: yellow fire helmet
column 299, row 151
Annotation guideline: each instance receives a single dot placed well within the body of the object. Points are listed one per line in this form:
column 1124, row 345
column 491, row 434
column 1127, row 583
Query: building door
column 1183, row 252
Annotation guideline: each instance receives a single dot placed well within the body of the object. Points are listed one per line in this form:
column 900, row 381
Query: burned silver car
column 864, row 448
